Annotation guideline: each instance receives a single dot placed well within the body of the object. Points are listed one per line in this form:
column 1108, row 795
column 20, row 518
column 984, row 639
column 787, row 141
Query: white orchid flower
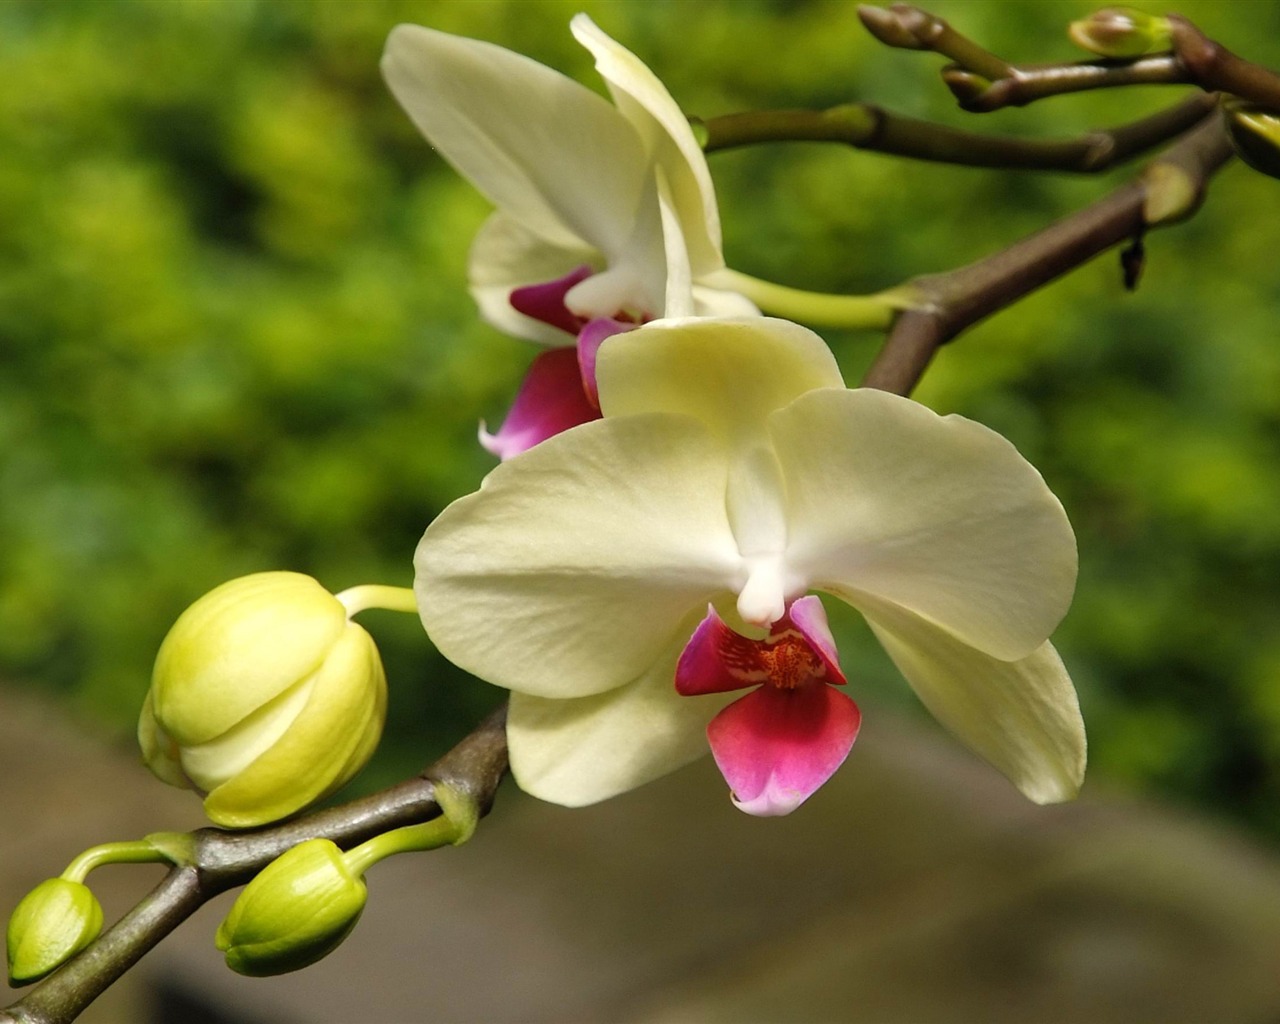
column 625, row 578
column 606, row 215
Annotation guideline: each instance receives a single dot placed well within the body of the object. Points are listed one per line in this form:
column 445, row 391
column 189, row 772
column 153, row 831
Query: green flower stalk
column 266, row 696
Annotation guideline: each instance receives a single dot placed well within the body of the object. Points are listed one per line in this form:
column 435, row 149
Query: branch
column 983, row 82
column 223, row 860
column 1170, row 189
column 869, row 127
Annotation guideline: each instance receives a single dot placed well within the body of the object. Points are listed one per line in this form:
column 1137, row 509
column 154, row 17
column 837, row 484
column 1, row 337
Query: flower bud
column 1255, row 133
column 265, row 697
column 54, row 921
column 296, row 911
column 1121, row 32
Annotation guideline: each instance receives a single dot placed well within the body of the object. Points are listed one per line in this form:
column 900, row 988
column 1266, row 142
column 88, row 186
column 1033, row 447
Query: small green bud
column 54, row 921
column 296, row 911
column 1121, row 32
column 1255, row 133
column 265, row 698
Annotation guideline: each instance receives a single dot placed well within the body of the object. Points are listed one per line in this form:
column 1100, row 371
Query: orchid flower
column 626, row 579
column 606, row 215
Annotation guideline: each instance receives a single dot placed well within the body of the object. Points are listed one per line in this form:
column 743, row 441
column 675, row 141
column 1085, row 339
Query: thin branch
column 983, row 82
column 223, row 860
column 869, row 127
column 1169, row 190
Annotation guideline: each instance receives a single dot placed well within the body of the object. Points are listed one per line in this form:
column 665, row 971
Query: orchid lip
column 546, row 301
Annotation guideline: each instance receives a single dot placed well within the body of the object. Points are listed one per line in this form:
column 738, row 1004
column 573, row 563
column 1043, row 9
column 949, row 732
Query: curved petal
column 1022, row 716
column 567, row 573
column 545, row 300
column 505, row 256
column 313, row 757
column 718, row 302
column 776, row 747
column 889, row 501
column 590, row 338
column 730, row 374
column 544, row 149
column 549, row 402
column 647, row 104
column 240, row 646
column 678, row 286
column 580, row 751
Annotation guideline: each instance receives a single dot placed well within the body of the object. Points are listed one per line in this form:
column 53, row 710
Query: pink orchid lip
column 550, row 400
column 560, row 389
column 590, row 338
column 545, row 301
column 777, row 745
column 799, row 648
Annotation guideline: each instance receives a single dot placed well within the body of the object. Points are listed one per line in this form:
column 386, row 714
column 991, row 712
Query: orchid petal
column 505, row 256
column 550, row 401
column 545, row 301
column 346, row 702
column 718, row 302
column 890, row 502
column 810, row 619
column 542, row 148
column 580, row 751
column 776, row 747
column 647, row 104
column 730, row 374
column 718, row 659
column 590, row 338
column 568, row 572
column 1022, row 716
column 678, row 291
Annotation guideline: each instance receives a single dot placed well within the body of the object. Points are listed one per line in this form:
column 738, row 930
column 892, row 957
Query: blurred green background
column 235, row 335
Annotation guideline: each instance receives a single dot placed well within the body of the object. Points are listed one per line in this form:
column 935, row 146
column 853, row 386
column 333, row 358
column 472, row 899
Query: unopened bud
column 1121, row 32
column 296, row 911
column 1255, row 133
column 265, row 697
column 54, row 921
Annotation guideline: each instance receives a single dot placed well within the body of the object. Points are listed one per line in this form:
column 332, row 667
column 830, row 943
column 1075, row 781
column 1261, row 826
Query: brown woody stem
column 983, row 82
column 223, row 860
column 1170, row 189
column 868, row 127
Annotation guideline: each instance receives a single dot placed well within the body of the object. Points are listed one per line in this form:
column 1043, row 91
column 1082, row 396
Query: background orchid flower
column 733, row 469
column 606, row 215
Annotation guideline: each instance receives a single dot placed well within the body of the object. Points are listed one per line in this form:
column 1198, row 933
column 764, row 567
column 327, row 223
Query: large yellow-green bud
column 265, row 697
column 54, row 921
column 297, row 910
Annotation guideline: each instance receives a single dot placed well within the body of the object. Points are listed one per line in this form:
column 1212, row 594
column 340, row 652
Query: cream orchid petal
column 573, row 566
column 505, row 256
column 647, row 104
column 889, row 501
column 730, row 374
column 580, row 751
column 717, row 302
column 1022, row 716
column 678, row 301
column 541, row 147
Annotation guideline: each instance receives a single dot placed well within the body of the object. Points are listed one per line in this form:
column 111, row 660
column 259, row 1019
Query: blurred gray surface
column 916, row 887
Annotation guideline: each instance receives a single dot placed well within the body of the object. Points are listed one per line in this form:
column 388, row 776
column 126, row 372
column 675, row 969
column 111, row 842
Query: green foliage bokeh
column 235, row 335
